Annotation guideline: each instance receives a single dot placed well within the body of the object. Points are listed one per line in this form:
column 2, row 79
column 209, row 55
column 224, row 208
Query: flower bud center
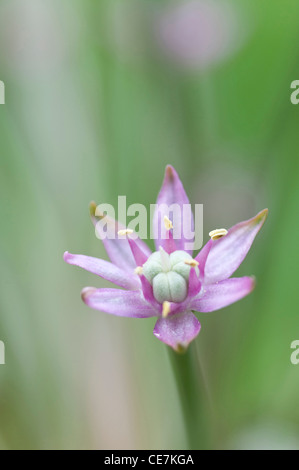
column 169, row 274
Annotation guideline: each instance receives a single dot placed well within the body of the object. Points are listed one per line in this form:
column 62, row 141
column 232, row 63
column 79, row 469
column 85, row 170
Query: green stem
column 193, row 396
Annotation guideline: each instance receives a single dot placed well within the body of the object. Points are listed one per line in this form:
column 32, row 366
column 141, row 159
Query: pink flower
column 170, row 284
column 199, row 33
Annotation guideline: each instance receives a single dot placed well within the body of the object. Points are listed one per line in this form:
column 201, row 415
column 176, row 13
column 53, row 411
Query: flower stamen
column 166, row 309
column 125, row 232
column 181, row 348
column 167, row 222
column 218, row 233
column 191, row 262
column 139, row 270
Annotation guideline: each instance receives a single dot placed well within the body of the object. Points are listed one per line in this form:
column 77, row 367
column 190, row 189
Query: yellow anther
column 167, row 223
column 191, row 262
column 166, row 309
column 139, row 270
column 181, row 348
column 124, row 232
column 218, row 233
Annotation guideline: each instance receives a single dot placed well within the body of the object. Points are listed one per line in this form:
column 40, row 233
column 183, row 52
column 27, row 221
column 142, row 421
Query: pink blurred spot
column 198, row 33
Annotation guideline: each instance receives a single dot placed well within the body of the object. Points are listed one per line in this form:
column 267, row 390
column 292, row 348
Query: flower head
column 170, row 283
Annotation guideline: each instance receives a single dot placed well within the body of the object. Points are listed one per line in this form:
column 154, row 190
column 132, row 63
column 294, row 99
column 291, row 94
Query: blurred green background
column 100, row 96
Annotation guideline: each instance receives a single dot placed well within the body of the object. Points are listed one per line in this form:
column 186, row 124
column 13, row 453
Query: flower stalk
column 193, row 397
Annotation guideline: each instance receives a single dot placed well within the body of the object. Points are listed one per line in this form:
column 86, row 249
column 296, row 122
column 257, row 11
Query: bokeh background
column 100, row 96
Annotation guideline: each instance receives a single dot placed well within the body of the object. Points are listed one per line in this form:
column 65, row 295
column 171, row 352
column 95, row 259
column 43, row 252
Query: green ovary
column 168, row 274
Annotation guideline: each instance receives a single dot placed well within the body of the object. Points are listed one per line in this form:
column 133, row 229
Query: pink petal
column 202, row 257
column 148, row 294
column 177, row 331
column 118, row 302
column 104, row 269
column 139, row 255
column 117, row 248
column 219, row 295
column 172, row 192
column 194, row 283
column 228, row 252
column 169, row 243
